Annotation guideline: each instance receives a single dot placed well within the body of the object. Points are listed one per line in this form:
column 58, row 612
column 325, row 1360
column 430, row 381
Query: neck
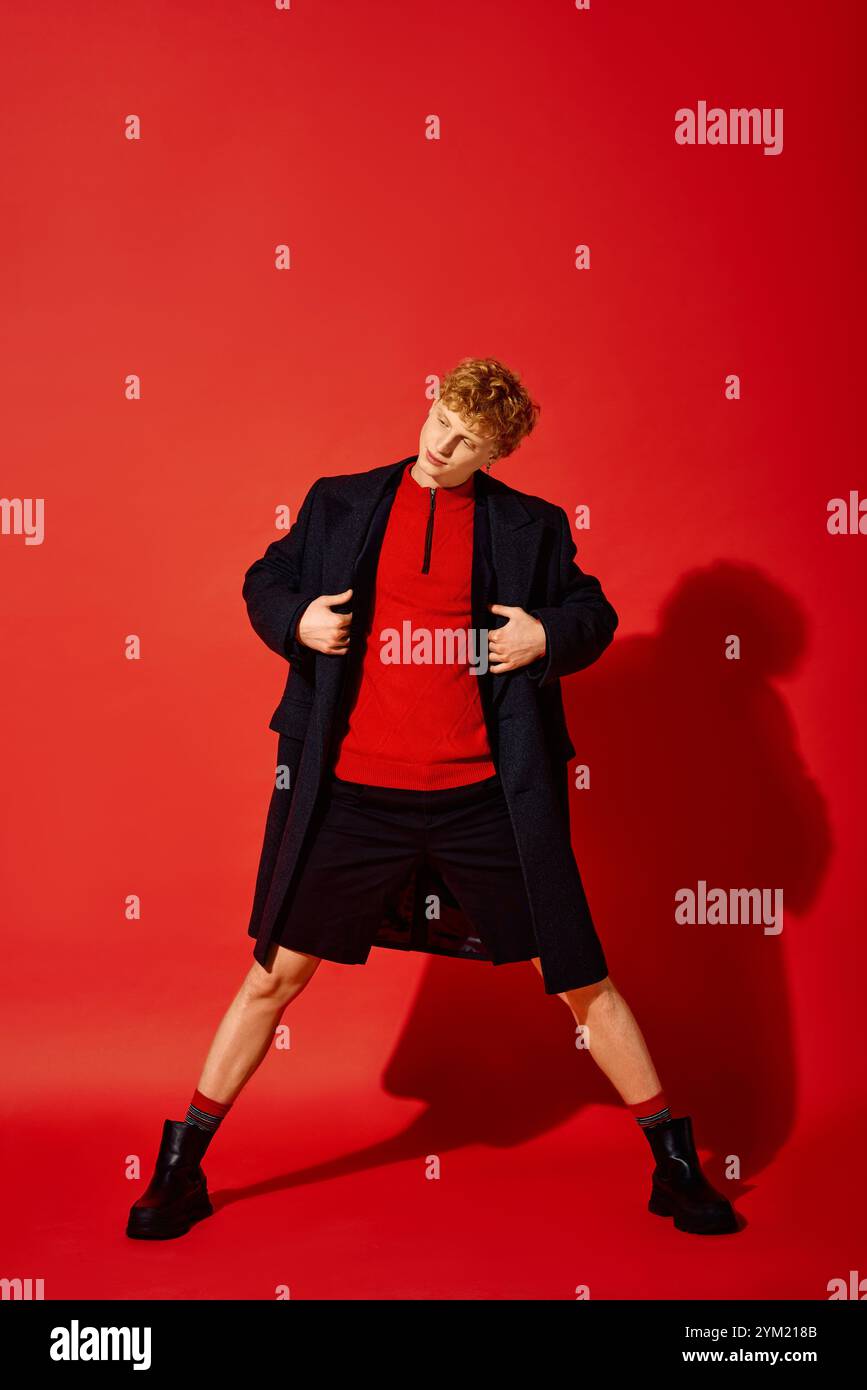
column 424, row 480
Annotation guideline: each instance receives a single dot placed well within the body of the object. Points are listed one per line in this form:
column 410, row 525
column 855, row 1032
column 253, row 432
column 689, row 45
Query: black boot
column 177, row 1194
column 679, row 1188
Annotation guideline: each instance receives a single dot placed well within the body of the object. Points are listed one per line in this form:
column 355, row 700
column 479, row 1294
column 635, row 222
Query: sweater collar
column 462, row 491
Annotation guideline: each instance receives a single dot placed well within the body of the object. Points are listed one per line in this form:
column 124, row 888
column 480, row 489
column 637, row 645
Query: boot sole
column 660, row 1206
column 157, row 1227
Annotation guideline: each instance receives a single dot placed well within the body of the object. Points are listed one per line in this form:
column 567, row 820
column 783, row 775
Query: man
column 421, row 800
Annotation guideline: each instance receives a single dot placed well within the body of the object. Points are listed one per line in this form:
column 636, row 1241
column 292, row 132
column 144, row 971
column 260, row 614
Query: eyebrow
column 477, row 437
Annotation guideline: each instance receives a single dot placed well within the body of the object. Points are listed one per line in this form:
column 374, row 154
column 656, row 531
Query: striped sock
column 652, row 1112
column 205, row 1113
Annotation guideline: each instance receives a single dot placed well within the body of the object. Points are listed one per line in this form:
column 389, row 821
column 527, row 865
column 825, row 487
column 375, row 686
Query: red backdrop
column 155, row 257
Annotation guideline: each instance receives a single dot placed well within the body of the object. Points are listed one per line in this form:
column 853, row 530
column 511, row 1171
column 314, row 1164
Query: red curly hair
column 492, row 399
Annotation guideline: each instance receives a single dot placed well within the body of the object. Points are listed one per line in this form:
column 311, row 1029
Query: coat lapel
column 505, row 554
column 348, row 515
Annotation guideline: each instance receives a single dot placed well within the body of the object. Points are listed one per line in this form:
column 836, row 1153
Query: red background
column 708, row 516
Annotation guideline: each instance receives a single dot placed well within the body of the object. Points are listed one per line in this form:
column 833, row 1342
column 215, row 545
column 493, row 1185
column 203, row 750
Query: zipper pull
column 428, row 535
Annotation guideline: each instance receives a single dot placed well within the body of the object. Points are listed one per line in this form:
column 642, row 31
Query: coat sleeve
column 580, row 626
column 270, row 590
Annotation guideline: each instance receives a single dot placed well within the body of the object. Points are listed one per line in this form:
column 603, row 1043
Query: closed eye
column 467, row 441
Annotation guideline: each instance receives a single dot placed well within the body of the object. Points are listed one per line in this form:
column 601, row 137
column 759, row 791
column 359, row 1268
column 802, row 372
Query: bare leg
column 679, row 1188
column 247, row 1028
column 614, row 1038
column 177, row 1195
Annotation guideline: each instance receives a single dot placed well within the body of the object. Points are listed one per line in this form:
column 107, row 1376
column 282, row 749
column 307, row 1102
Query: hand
column 323, row 630
column 519, row 642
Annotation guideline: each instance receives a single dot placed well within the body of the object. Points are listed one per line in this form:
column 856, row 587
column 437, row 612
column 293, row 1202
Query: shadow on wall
column 695, row 773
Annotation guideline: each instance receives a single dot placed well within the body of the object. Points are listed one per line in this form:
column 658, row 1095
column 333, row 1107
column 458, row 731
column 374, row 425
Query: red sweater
column 419, row 723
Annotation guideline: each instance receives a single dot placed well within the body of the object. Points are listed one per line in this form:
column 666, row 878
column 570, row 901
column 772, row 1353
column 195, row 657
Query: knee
column 598, row 998
column 284, row 974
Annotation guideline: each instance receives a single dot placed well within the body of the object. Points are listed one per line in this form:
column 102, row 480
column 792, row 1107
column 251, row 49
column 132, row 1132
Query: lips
column 433, row 459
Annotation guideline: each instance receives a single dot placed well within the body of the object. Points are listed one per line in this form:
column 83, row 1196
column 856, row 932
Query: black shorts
column 365, row 841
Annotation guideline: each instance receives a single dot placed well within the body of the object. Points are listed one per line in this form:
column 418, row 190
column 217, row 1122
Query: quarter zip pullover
column 417, row 719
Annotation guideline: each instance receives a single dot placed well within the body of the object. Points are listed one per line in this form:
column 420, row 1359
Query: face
column 449, row 450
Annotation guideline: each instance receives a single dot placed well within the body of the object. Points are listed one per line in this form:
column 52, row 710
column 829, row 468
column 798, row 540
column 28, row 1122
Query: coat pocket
column 554, row 732
column 561, row 744
column 291, row 717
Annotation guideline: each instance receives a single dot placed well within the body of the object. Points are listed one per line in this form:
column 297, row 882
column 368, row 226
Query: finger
column 337, row 598
column 502, row 608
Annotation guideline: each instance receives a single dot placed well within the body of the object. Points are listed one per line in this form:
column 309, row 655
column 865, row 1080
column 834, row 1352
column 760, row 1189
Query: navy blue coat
column 523, row 554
